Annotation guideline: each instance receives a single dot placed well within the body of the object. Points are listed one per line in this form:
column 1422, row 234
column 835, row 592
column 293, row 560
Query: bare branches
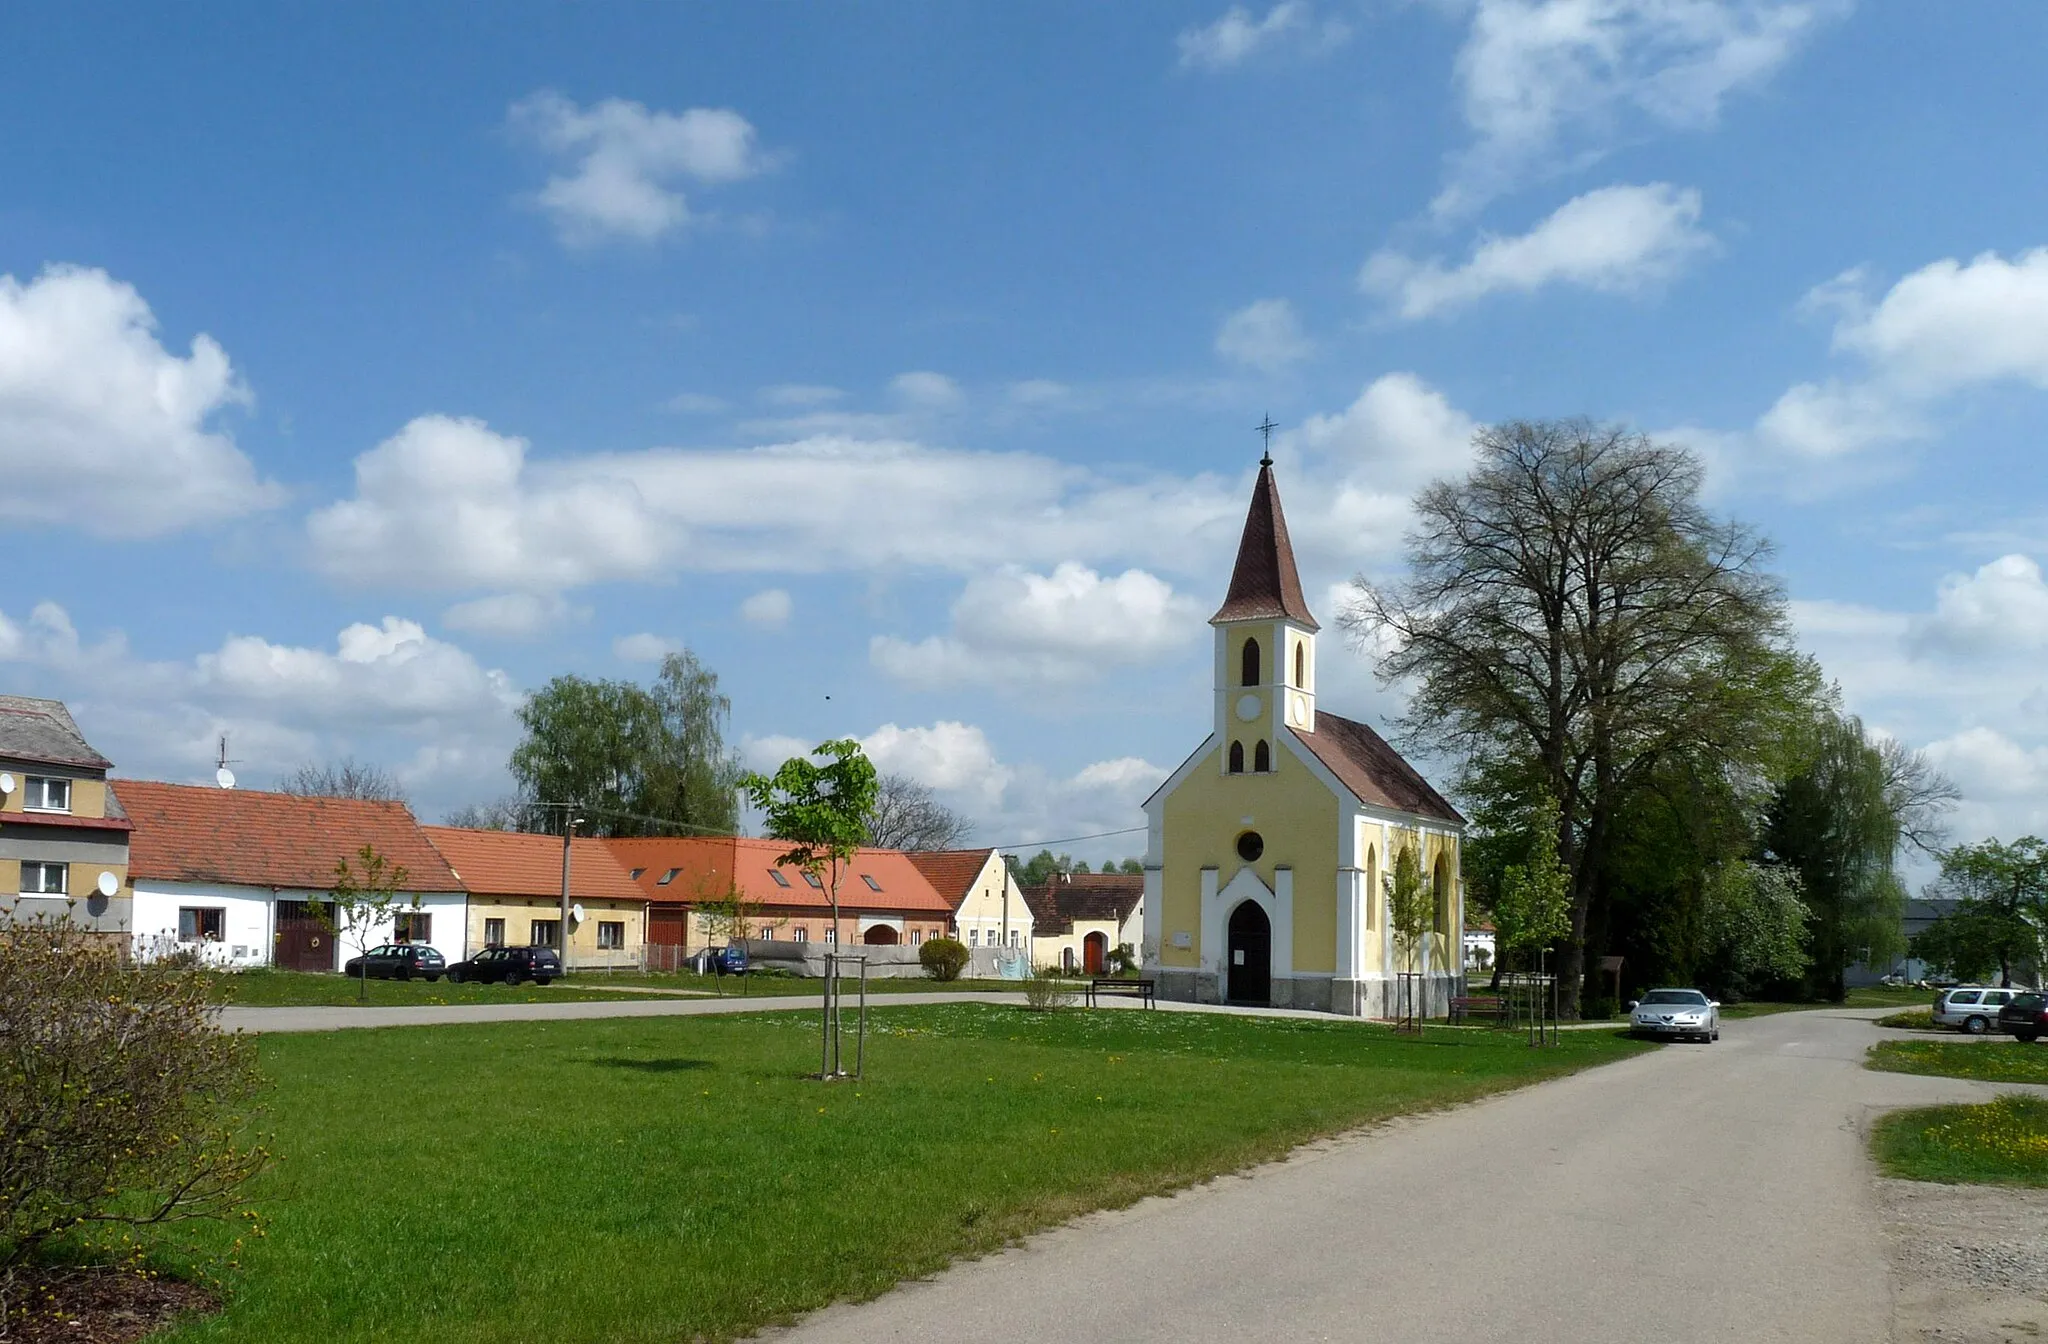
column 345, row 778
column 907, row 816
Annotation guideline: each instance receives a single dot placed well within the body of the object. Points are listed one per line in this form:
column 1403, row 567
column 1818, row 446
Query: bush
column 1047, row 992
column 1597, row 1008
column 121, row 1101
column 943, row 958
column 1123, row 961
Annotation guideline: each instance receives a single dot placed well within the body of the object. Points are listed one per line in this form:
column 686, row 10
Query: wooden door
column 1249, row 966
column 1094, row 953
column 304, row 941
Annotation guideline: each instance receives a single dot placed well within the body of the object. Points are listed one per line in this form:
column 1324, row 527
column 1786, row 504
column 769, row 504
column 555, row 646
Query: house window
column 412, row 926
column 546, row 932
column 916, row 937
column 1250, row 666
column 813, row 879
column 780, row 880
column 800, row 934
column 47, row 795
column 1237, row 758
column 1262, row 758
column 611, row 934
column 831, row 935
column 45, row 879
column 667, row 877
column 494, row 933
column 202, row 923
column 1013, row 937
column 974, row 937
column 872, row 884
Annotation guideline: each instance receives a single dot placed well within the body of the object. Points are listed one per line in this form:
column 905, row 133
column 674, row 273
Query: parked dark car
column 399, row 961
column 509, row 965
column 2025, row 1017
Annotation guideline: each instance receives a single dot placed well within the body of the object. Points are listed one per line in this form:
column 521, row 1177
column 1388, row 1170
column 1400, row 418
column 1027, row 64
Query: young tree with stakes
column 1411, row 911
column 822, row 811
column 366, row 893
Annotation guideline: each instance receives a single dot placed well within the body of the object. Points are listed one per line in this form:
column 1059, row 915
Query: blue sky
column 362, row 368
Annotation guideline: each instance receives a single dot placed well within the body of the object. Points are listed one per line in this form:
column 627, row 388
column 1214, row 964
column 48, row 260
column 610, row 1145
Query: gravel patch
column 1969, row 1262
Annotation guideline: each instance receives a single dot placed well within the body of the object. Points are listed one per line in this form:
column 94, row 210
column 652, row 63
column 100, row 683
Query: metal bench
column 1478, row 1005
column 1129, row 989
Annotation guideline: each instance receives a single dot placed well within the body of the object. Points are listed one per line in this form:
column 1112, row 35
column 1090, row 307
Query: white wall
column 251, row 921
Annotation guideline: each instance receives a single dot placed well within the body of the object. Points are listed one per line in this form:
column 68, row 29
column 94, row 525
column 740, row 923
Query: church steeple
column 1265, row 584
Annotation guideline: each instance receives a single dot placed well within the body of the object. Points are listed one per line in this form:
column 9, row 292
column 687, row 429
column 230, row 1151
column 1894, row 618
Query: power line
column 714, row 830
column 1068, row 840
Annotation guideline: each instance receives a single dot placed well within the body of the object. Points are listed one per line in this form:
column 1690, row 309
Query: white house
column 246, row 878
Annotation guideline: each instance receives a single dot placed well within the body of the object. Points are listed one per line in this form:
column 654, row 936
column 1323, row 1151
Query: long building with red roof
column 514, row 881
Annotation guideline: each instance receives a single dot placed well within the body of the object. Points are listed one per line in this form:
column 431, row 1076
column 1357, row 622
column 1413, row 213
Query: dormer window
column 667, row 877
column 872, row 884
column 813, row 879
column 47, row 795
column 1250, row 667
column 775, row 875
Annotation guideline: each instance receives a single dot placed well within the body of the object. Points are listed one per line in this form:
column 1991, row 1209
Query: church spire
column 1265, row 583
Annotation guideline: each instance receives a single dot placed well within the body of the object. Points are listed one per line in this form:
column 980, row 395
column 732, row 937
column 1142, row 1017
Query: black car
column 2025, row 1017
column 398, row 961
column 511, row 965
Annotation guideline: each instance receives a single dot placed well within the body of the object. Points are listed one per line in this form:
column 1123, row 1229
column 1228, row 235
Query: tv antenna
column 222, row 775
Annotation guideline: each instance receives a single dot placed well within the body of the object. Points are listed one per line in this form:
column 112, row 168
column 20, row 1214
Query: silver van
column 1972, row 1008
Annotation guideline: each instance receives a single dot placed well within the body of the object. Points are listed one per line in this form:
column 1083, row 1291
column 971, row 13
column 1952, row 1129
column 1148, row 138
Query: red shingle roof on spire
column 1265, row 583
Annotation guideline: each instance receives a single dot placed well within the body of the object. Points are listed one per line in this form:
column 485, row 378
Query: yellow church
column 1269, row 847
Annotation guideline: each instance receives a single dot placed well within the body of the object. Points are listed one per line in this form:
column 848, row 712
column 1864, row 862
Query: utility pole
column 569, row 823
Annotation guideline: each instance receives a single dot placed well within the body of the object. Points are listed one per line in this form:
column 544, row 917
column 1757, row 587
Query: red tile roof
column 1071, row 896
column 952, row 872
column 705, row 866
column 1361, row 759
column 184, row 833
column 1265, row 582
column 512, row 863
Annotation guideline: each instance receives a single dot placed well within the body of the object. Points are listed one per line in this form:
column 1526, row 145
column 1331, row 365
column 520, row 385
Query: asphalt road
column 1699, row 1193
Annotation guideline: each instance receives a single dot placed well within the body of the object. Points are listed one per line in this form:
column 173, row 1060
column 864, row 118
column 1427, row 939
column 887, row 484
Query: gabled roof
column 243, row 837
column 513, row 863
column 43, row 731
column 1265, row 583
column 952, row 872
column 1374, row 772
column 1071, row 896
column 706, row 867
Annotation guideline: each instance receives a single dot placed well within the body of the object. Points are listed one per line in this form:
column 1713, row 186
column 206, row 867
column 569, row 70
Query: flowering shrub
column 121, row 1100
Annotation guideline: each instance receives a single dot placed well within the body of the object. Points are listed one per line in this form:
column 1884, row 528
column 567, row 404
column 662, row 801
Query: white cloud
column 800, row 394
column 387, row 692
column 1616, row 240
column 768, row 609
column 644, row 648
column 1237, row 36
column 509, row 615
column 1945, row 329
column 1264, row 335
column 1016, row 628
column 101, row 427
column 1550, row 83
column 622, row 162
column 2003, row 606
column 695, row 403
column 926, row 390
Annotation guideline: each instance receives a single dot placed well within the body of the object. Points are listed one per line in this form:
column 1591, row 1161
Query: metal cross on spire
column 1267, row 429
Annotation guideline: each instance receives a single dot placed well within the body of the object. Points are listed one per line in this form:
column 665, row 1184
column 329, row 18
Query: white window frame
column 498, row 941
column 43, row 870
column 198, row 931
column 611, row 935
column 36, row 794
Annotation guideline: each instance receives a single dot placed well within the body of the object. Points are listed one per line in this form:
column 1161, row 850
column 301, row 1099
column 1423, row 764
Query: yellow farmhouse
column 1264, row 873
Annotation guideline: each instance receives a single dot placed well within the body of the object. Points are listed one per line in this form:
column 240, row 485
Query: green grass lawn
column 670, row 1179
column 1996, row 1061
column 771, row 986
column 1873, row 996
column 293, row 989
column 2002, row 1142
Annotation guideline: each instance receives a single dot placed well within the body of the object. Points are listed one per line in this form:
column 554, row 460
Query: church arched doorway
column 1094, row 953
column 1248, row 974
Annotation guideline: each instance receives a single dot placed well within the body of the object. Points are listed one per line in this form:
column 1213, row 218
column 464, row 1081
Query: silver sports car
column 1676, row 1013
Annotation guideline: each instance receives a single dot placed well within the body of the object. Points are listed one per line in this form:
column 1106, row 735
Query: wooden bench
column 1478, row 1005
column 1129, row 989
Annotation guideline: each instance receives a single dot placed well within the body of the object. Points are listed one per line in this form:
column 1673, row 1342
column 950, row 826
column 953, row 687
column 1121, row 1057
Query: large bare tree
column 907, row 816
column 1571, row 616
column 345, row 778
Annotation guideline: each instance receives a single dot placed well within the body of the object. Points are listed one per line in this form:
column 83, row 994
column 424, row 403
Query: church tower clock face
column 1248, row 707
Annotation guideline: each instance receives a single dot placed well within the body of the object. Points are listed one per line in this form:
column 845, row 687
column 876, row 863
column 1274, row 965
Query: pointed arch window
column 1262, row 758
column 1301, row 663
column 1250, row 669
column 1237, row 758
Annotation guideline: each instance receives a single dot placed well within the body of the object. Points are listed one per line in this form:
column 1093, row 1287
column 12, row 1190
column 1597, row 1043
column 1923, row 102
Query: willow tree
column 1573, row 614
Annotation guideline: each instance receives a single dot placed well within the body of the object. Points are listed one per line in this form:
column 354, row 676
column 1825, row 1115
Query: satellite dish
column 224, row 777
column 6, row 783
column 109, row 884
column 576, row 912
